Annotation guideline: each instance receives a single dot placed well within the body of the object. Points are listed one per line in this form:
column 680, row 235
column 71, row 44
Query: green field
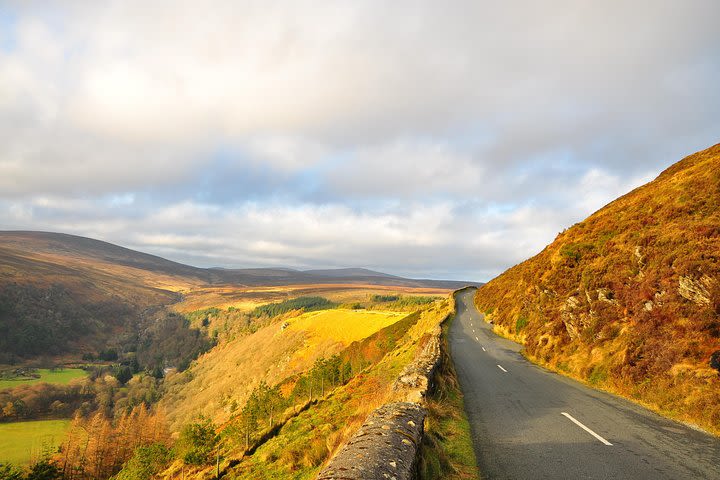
column 63, row 377
column 21, row 442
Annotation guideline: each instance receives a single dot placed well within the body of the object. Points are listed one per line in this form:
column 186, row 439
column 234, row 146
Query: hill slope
column 629, row 299
column 230, row 370
column 60, row 293
column 82, row 248
column 64, row 294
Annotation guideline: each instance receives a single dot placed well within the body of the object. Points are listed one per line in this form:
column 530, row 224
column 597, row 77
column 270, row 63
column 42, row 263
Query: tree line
column 306, row 304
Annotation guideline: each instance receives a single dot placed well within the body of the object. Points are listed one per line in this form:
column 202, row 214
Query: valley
column 120, row 364
column 359, row 240
column 144, row 351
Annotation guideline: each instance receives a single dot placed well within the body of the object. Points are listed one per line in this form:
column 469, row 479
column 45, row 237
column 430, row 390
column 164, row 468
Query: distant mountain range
column 25, row 244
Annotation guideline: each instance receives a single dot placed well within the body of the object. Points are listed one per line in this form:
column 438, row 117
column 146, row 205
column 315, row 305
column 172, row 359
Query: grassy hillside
column 629, row 299
column 307, row 434
column 62, row 295
column 226, row 375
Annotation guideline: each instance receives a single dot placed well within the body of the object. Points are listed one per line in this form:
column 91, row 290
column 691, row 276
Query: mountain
column 67, row 253
column 286, row 276
column 629, row 299
column 82, row 248
column 63, row 293
column 348, row 272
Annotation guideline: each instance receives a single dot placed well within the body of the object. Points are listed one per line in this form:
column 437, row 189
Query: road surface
column 529, row 423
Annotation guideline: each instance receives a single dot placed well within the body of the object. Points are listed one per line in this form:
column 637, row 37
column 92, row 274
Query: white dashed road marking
column 570, row 417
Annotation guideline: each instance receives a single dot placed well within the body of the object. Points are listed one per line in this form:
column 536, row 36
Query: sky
column 429, row 139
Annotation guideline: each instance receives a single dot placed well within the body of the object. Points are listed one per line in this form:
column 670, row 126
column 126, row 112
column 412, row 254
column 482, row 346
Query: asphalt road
column 529, row 423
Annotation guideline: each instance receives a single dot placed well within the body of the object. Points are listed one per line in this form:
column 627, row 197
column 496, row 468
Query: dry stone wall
column 416, row 377
column 386, row 446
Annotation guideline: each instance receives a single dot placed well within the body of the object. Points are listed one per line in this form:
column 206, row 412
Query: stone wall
column 416, row 378
column 386, row 446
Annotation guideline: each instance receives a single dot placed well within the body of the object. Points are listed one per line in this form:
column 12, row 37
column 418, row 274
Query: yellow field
column 345, row 326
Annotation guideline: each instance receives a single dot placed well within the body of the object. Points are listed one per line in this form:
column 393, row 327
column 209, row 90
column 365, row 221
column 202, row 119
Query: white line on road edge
column 501, row 368
column 585, row 428
column 484, row 349
column 476, row 338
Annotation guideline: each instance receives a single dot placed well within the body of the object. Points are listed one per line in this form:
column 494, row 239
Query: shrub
column 197, row 442
column 415, row 300
column 598, row 375
column 123, row 374
column 575, row 251
column 521, row 323
column 145, row 462
column 44, row 470
column 715, row 360
column 10, row 472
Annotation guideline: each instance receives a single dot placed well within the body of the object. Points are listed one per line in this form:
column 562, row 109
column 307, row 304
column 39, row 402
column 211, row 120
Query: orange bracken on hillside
column 629, row 299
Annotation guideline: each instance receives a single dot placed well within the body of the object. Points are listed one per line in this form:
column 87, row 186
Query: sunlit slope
column 230, row 371
column 629, row 299
column 340, row 325
column 305, row 438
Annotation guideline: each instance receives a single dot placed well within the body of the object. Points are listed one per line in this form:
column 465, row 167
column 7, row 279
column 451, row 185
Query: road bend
column 529, row 423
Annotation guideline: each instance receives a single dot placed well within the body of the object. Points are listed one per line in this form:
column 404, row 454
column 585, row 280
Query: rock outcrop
column 696, row 290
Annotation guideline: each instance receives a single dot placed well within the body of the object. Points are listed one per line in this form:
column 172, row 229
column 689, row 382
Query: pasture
column 22, row 442
column 60, row 376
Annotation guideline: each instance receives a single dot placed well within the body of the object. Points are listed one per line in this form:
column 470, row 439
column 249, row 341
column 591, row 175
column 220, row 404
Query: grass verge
column 447, row 450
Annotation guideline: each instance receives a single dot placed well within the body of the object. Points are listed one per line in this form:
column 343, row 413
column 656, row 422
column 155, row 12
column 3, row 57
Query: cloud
column 405, row 168
column 506, row 121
